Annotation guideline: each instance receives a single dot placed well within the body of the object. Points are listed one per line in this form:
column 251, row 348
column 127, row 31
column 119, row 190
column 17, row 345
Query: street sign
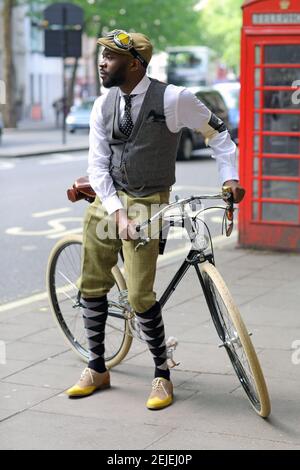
column 63, row 27
column 59, row 43
column 64, row 14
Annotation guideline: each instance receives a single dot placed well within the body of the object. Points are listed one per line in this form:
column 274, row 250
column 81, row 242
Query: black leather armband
column 217, row 123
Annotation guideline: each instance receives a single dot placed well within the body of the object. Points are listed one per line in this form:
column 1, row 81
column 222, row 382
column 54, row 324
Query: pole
column 64, row 53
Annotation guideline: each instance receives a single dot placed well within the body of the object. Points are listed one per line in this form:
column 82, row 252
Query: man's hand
column 238, row 191
column 126, row 227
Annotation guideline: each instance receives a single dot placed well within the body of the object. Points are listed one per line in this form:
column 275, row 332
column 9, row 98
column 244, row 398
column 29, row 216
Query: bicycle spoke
column 235, row 339
column 67, row 279
column 232, row 340
column 63, row 278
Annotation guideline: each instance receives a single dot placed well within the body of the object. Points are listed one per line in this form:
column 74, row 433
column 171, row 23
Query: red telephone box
column 270, row 124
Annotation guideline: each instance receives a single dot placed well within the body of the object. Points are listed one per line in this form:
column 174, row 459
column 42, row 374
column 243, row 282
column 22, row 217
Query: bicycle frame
column 195, row 256
column 223, row 310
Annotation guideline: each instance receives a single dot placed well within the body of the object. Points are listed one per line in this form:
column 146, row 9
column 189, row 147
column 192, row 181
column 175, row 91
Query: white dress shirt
column 182, row 109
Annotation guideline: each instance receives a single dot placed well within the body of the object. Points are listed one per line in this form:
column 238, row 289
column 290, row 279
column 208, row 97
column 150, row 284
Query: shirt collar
column 141, row 87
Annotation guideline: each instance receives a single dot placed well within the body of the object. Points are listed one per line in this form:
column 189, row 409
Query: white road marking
column 58, row 158
column 217, row 241
column 23, row 302
column 30, row 300
column 51, row 212
column 29, row 247
column 57, row 228
column 7, row 166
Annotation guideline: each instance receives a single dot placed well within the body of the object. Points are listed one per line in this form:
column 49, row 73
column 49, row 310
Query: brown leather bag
column 81, row 190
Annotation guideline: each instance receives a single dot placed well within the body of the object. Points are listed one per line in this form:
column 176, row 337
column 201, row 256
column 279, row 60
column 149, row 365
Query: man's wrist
column 121, row 216
column 230, row 181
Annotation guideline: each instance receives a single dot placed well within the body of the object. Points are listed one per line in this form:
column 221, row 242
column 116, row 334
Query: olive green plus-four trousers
column 101, row 246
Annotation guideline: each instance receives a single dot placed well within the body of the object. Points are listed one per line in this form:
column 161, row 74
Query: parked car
column 230, row 91
column 79, row 115
column 1, row 127
column 191, row 140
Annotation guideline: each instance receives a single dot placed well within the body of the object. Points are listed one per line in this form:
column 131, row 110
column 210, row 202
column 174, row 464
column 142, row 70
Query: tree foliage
column 220, row 22
column 166, row 22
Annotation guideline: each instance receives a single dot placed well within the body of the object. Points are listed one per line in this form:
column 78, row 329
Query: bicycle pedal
column 172, row 363
column 171, row 345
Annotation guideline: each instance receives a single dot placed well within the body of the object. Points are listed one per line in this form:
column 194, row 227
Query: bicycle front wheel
column 236, row 340
column 63, row 270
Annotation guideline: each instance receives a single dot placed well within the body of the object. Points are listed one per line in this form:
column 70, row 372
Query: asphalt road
column 35, row 213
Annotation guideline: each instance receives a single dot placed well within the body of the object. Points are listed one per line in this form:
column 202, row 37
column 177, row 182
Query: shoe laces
column 157, row 384
column 85, row 372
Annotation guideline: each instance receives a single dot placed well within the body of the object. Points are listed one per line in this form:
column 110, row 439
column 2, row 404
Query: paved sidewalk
column 210, row 409
column 40, row 139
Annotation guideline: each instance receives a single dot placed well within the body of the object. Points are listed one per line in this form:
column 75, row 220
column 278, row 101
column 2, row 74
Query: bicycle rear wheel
column 235, row 338
column 63, row 270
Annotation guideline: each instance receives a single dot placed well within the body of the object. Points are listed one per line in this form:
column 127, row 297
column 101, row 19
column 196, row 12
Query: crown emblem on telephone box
column 284, row 4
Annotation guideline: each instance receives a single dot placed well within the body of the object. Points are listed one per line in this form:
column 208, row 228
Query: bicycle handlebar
column 225, row 195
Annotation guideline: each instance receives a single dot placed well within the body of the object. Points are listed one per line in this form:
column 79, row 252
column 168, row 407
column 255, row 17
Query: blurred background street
column 39, row 213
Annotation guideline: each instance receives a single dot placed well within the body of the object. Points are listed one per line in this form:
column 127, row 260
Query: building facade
column 39, row 79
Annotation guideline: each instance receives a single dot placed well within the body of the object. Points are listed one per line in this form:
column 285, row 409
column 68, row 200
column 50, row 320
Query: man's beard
column 116, row 78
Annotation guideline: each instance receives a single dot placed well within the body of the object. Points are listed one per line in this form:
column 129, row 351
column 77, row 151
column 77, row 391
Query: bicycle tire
column 62, row 309
column 252, row 382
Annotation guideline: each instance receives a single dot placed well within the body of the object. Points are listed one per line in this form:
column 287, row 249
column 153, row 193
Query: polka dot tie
column 126, row 124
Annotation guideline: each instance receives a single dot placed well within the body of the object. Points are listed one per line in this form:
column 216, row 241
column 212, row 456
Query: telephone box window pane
column 257, row 99
column 255, row 166
column 282, row 122
column 256, row 143
column 281, row 76
column 282, row 54
column 257, row 55
column 280, row 100
column 257, row 75
column 255, row 188
column 280, row 189
column 281, row 167
column 281, row 144
column 255, row 210
column 280, row 212
column 256, row 121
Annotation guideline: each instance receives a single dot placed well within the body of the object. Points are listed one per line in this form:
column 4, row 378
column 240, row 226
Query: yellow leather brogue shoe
column 89, row 382
column 161, row 394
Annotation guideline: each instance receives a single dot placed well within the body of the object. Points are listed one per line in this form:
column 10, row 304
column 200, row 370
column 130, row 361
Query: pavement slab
column 210, row 410
column 19, row 397
column 13, row 366
column 39, row 430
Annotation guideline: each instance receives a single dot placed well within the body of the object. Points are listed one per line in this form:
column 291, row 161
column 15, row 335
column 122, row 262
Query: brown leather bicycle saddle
column 81, row 190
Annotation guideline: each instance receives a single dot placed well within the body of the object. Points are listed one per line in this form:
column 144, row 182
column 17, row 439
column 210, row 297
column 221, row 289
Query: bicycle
column 64, row 269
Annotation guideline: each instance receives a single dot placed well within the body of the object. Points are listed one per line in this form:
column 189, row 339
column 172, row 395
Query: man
column 58, row 109
column 134, row 136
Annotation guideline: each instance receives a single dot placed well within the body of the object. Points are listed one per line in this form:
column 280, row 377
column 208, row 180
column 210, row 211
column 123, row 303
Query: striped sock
column 94, row 318
column 152, row 326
